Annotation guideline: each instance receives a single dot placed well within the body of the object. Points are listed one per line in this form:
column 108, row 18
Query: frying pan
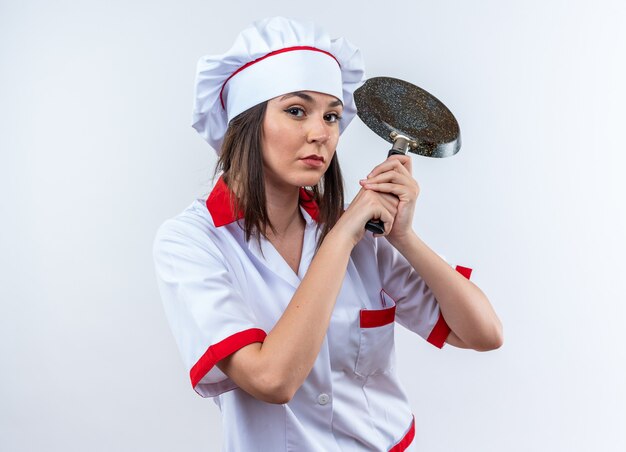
column 410, row 118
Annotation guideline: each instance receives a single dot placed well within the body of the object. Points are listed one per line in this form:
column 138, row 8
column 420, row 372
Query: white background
column 97, row 151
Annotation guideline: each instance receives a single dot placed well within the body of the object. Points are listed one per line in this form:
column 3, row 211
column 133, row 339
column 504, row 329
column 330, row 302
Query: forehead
column 313, row 97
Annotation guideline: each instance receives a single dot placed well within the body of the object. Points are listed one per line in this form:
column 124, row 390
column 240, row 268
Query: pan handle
column 377, row 226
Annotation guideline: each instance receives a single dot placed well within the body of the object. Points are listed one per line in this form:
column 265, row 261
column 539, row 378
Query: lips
column 314, row 157
column 313, row 161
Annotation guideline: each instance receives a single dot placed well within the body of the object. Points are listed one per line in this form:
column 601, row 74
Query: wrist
column 401, row 241
column 341, row 237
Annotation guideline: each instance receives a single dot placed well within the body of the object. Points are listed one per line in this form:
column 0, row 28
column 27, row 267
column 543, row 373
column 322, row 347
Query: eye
column 295, row 111
column 331, row 117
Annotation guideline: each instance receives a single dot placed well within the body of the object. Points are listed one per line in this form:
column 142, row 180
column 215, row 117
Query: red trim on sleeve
column 222, row 349
column 406, row 440
column 440, row 332
column 465, row 271
column 371, row 318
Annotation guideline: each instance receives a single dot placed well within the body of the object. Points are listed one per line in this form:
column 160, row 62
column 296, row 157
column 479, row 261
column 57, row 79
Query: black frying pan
column 410, row 118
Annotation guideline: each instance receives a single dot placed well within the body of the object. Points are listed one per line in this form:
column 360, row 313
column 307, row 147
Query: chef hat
column 272, row 57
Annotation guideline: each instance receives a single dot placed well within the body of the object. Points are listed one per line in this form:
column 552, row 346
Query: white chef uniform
column 222, row 293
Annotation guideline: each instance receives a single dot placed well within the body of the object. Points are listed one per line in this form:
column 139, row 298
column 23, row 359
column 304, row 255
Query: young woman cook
column 291, row 330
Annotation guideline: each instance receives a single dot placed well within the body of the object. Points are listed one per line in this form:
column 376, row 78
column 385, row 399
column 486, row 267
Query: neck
column 283, row 209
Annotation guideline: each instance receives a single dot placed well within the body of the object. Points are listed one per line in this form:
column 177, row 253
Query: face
column 300, row 134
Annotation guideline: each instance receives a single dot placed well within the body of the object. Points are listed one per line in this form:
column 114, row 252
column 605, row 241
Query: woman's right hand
column 367, row 205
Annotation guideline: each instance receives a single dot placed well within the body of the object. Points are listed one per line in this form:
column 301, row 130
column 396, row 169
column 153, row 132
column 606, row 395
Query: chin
column 310, row 180
column 296, row 179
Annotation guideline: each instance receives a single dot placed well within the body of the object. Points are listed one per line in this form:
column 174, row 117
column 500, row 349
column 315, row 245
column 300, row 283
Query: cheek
column 280, row 141
column 270, row 130
column 270, row 142
column 334, row 140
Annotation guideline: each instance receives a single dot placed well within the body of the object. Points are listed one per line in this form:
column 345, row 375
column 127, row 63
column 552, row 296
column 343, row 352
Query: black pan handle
column 377, row 226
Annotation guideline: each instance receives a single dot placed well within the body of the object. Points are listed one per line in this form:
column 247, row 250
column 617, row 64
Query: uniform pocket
column 376, row 338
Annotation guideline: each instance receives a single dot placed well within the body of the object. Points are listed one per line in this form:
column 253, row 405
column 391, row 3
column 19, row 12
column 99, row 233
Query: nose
column 318, row 131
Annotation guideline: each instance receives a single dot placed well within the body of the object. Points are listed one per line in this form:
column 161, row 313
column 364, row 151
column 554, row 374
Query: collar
column 219, row 204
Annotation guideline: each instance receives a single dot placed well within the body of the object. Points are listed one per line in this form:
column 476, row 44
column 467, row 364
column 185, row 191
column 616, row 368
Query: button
column 323, row 399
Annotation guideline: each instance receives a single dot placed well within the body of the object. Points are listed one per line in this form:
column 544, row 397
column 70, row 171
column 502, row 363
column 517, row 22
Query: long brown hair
column 241, row 161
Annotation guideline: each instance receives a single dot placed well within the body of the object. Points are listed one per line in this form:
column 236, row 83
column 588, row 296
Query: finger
column 404, row 160
column 410, row 185
column 384, row 205
column 387, row 219
column 398, row 163
column 374, row 198
column 389, row 176
column 396, row 189
column 390, row 202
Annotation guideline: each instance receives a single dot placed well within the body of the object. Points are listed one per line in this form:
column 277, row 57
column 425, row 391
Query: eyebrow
column 305, row 96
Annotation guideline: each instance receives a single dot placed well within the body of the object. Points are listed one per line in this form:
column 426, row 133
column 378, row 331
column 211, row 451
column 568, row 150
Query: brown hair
column 241, row 161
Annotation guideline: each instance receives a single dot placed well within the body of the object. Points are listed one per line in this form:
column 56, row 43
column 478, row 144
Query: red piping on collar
column 275, row 52
column 219, row 204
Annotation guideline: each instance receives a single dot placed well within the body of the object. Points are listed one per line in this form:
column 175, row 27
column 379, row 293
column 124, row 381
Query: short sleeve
column 208, row 316
column 417, row 308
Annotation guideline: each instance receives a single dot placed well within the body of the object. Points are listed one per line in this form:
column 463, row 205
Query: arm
column 273, row 371
column 464, row 306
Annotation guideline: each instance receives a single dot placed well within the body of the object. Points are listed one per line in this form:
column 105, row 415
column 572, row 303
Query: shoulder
column 191, row 222
column 192, row 228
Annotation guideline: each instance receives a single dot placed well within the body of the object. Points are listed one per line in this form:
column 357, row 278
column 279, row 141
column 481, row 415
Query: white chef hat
column 272, row 57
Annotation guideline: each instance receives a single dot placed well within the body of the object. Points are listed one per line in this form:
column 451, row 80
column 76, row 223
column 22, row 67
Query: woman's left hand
column 394, row 177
